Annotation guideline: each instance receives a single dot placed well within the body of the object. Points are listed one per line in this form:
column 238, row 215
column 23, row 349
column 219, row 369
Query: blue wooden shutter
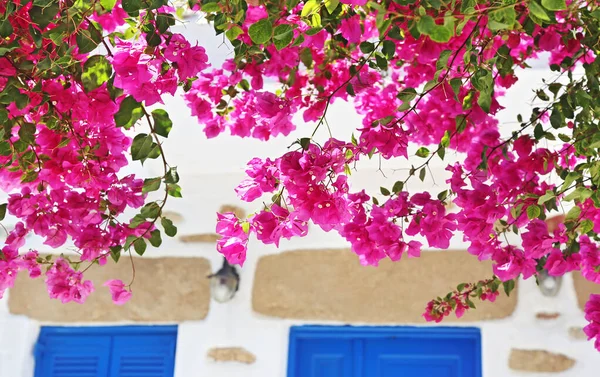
column 143, row 356
column 346, row 351
column 120, row 351
column 69, row 356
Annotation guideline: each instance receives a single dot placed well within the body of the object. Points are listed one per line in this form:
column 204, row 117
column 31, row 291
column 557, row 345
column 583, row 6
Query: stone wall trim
column 332, row 285
column 165, row 290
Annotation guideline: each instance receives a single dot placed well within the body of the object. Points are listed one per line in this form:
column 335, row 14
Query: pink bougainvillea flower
column 592, row 315
column 119, row 294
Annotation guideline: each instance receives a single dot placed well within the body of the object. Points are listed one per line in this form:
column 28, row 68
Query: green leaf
column 384, row 191
column 210, row 7
column 581, row 194
column 130, row 111
column 381, row 62
column 174, row 190
column 139, row 245
column 554, row 4
column 573, row 214
column 234, row 32
column 246, row 227
column 441, row 34
column 556, row 119
column 172, row 175
column 132, row 7
column 27, row 133
column 151, row 184
column 442, row 61
column 407, row 95
column 6, row 29
column 485, row 100
column 141, row 147
column 108, row 4
column 310, row 7
column 422, row 152
column 162, row 122
column 470, row 303
column 389, row 49
column 350, row 90
column 115, row 253
column 136, row 221
column 2, row 211
column 569, row 179
column 538, row 11
column 445, row 142
column 155, row 238
column 129, row 241
column 88, row 40
column 5, row 149
column 315, row 20
column 443, row 195
column 549, row 195
column 533, row 212
column 422, row 174
column 150, row 210
column 261, row 31
column 96, row 71
column 584, row 227
column 42, row 16
column 508, row 286
column 29, row 176
column 395, row 33
column 283, row 36
column 503, row 18
column 164, row 21
column 426, row 25
column 170, row 229
column 398, row 186
column 331, row 5
column 366, row 47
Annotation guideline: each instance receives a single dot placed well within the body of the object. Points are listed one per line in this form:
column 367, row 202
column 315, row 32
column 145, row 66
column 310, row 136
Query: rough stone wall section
column 228, row 354
column 584, row 288
column 200, row 238
column 539, row 361
column 239, row 212
column 165, row 290
column 332, row 285
column 577, row 333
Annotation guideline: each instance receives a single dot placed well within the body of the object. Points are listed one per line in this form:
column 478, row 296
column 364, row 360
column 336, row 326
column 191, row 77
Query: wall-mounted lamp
column 224, row 283
column 549, row 285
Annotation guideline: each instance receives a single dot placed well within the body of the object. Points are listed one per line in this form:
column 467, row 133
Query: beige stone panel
column 332, row 285
column 200, row 238
column 577, row 333
column 238, row 211
column 539, row 361
column 584, row 288
column 164, row 290
column 228, row 354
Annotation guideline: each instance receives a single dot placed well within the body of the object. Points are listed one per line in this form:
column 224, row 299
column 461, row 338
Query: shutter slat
column 143, row 356
column 72, row 355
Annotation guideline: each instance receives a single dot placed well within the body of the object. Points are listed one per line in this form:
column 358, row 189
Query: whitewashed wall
column 210, row 169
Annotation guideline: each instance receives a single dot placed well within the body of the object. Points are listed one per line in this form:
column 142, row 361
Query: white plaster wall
column 210, row 169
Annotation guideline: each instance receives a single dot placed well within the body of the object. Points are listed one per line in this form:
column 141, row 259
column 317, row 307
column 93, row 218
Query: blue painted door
column 343, row 351
column 124, row 351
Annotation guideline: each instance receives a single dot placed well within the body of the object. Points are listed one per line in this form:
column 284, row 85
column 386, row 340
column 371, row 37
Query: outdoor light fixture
column 549, row 285
column 225, row 283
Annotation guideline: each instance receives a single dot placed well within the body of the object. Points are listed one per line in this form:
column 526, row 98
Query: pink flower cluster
column 66, row 284
column 460, row 300
column 592, row 314
column 119, row 294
